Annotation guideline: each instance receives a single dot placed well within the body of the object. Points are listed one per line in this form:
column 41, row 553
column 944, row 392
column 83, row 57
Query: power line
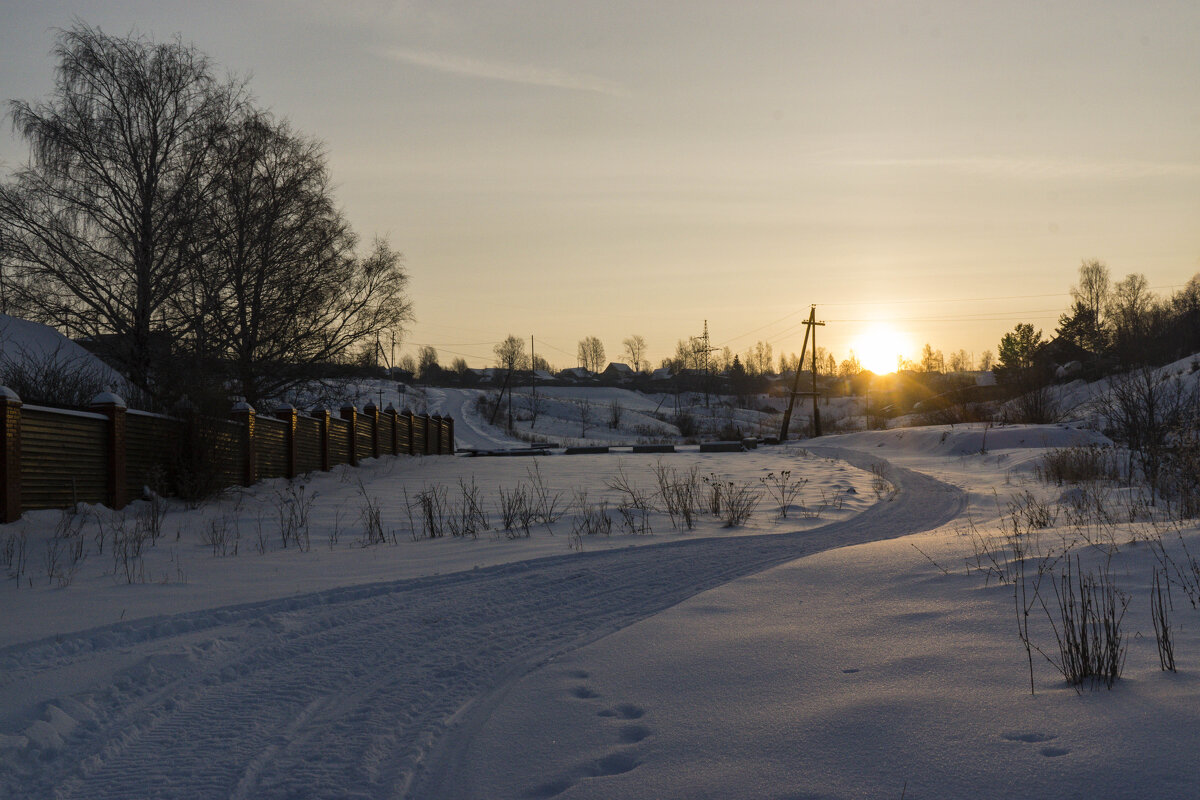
column 997, row 316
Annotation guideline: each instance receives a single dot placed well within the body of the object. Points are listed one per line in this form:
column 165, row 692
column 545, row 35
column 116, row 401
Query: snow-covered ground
column 852, row 649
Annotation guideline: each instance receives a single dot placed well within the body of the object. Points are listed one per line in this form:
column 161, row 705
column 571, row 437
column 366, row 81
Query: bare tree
column 101, row 226
column 591, row 354
column 850, row 367
column 280, row 289
column 427, row 362
column 961, row 361
column 759, row 359
column 1145, row 411
column 1092, row 290
column 510, row 354
column 1130, row 309
column 932, row 360
column 635, row 348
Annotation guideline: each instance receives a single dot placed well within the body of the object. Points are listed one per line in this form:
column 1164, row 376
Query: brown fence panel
column 63, row 458
column 387, row 432
column 339, row 441
column 405, row 433
column 308, row 445
column 365, row 438
column 270, row 441
column 151, row 441
column 418, row 436
column 431, row 434
column 444, row 437
column 228, row 450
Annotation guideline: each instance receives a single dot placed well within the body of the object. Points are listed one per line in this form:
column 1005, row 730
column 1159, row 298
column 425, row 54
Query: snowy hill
column 32, row 353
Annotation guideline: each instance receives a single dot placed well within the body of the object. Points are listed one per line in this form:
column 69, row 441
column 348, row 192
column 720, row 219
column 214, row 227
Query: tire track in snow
column 370, row 692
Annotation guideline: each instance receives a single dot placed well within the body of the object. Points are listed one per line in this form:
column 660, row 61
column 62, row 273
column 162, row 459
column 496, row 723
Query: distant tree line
column 1111, row 326
column 189, row 236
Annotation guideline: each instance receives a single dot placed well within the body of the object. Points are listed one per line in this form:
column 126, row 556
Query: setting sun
column 879, row 347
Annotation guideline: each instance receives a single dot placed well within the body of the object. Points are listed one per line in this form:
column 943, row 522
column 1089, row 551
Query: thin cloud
column 1034, row 168
column 495, row 71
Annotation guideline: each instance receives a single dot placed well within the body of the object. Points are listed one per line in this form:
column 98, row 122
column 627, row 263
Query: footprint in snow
column 603, row 767
column 1054, row 752
column 1030, row 738
column 623, row 711
column 632, row 734
column 584, row 692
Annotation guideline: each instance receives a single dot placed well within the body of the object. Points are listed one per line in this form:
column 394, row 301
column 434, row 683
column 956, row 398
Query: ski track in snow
column 470, row 430
column 369, row 691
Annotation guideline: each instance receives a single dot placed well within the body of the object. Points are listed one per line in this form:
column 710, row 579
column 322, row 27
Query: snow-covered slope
column 33, row 344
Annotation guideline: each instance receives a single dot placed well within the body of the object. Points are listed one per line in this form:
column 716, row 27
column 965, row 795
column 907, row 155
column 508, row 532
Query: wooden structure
column 55, row 458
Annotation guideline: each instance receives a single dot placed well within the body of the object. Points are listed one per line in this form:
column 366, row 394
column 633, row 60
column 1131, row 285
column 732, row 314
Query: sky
column 931, row 171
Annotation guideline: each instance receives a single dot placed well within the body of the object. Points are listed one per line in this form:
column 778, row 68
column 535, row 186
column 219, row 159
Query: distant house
column 576, row 375
column 661, row 375
column 482, row 376
column 617, row 373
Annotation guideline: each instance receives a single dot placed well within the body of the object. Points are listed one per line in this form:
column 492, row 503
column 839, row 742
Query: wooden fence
column 54, row 458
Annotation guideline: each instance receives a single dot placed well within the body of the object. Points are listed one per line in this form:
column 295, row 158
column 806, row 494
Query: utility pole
column 701, row 345
column 810, row 330
column 812, row 323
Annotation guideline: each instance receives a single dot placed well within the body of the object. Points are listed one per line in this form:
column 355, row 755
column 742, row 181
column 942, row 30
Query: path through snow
column 364, row 692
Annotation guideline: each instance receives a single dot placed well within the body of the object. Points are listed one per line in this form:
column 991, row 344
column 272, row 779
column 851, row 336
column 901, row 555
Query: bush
column 57, row 379
column 1088, row 632
column 1077, row 465
column 196, row 467
column 687, row 424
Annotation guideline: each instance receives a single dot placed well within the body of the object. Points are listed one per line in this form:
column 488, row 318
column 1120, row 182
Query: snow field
column 817, row 662
column 181, row 572
column 344, row 693
column 883, row 669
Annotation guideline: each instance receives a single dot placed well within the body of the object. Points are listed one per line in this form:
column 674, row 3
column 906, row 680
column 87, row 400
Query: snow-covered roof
column 22, row 341
column 619, row 368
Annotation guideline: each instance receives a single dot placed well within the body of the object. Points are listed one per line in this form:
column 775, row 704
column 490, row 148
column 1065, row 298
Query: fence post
column 10, row 455
column 371, row 411
column 287, row 413
column 243, row 412
column 450, row 421
column 350, row 414
column 113, row 407
column 322, row 415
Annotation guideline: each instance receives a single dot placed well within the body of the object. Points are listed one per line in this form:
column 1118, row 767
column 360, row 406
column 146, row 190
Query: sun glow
column 879, row 348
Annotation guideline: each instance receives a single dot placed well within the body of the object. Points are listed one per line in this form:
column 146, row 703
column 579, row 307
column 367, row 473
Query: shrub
column 1088, row 629
column 469, row 518
column 634, row 505
column 740, row 500
column 783, row 490
column 687, row 424
column 56, row 378
column 1077, row 465
column 679, row 493
column 590, row 518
